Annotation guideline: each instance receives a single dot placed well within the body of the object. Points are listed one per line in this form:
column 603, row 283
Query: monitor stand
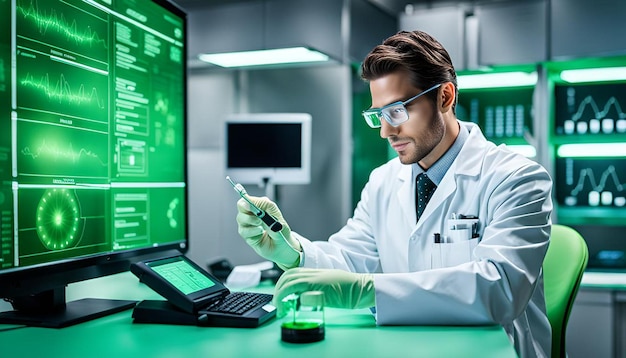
column 270, row 189
column 49, row 309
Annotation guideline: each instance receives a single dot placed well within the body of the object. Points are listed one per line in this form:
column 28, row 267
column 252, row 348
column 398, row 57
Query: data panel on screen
column 591, row 182
column 583, row 110
column 503, row 114
column 92, row 132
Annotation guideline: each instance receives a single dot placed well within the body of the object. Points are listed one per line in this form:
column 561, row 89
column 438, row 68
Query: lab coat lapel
column 406, row 194
column 469, row 161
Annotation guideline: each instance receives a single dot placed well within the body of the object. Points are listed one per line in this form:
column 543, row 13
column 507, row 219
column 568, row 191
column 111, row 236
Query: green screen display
column 584, row 110
column 503, row 114
column 183, row 276
column 591, row 182
column 92, row 132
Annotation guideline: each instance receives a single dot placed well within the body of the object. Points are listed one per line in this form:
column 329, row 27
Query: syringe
column 268, row 219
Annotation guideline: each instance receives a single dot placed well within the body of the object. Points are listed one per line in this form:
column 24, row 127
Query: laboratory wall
column 210, row 99
column 314, row 210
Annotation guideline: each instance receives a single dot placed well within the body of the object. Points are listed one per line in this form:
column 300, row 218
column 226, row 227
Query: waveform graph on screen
column 61, row 221
column 60, row 90
column 591, row 183
column 590, row 109
column 55, row 88
column 72, row 26
column 46, row 152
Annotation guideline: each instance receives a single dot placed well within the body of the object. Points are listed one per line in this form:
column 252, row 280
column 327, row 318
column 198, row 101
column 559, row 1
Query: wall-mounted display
column 505, row 115
column 598, row 109
column 588, row 126
column 591, row 182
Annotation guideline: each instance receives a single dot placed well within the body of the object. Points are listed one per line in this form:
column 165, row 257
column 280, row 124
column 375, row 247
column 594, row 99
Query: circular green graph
column 58, row 220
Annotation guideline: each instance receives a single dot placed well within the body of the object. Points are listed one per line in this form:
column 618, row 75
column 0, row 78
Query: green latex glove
column 341, row 289
column 278, row 247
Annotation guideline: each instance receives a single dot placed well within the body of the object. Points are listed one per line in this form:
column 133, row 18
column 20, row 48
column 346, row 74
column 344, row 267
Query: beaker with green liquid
column 304, row 322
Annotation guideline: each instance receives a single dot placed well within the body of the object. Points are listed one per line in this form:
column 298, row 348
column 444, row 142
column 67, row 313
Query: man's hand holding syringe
column 256, row 215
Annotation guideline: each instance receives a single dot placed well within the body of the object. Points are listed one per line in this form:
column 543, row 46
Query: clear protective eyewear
column 394, row 113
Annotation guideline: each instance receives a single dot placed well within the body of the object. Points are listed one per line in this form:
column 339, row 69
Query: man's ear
column 448, row 96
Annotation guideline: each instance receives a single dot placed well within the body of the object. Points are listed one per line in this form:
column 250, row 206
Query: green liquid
column 302, row 331
column 301, row 325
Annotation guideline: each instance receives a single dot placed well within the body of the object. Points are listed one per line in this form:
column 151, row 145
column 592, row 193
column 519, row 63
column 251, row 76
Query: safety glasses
column 394, row 113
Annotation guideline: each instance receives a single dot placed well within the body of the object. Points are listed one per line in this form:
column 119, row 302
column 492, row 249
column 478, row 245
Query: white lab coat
column 495, row 278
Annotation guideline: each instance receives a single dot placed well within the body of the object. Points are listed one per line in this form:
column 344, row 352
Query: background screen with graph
column 585, row 110
column 591, row 182
column 92, row 132
column 503, row 114
column 590, row 113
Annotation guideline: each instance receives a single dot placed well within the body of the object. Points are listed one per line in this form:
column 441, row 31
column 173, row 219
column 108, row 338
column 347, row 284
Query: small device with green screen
column 196, row 296
column 183, row 283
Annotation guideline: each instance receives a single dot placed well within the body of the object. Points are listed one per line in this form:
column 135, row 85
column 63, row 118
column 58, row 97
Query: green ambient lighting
column 592, row 150
column 264, row 57
column 495, row 80
column 526, row 150
column 594, row 74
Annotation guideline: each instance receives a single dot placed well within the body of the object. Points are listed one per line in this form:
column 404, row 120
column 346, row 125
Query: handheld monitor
column 183, row 283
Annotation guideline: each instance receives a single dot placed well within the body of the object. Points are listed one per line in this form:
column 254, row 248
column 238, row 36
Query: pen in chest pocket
column 462, row 227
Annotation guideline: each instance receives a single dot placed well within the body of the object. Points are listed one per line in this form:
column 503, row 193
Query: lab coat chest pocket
column 447, row 254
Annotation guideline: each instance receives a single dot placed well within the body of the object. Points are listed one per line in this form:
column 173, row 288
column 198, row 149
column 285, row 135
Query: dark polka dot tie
column 424, row 190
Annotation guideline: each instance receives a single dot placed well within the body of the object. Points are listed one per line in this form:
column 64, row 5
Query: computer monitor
column 92, row 148
column 272, row 148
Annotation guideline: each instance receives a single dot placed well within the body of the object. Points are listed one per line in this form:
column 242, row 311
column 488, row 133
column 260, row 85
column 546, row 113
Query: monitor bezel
column 263, row 176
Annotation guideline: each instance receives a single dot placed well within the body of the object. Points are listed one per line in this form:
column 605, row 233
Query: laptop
column 196, row 297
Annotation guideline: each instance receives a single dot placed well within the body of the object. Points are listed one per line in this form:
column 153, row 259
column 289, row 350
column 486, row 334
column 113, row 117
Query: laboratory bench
column 349, row 333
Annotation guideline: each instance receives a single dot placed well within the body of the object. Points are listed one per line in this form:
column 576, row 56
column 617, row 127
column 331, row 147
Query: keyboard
column 238, row 303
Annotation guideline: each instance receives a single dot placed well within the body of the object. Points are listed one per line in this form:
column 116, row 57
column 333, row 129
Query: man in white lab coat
column 475, row 253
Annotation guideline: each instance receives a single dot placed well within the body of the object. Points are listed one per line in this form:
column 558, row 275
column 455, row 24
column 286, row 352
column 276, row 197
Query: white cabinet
column 583, row 28
column 590, row 327
column 597, row 323
column 512, row 33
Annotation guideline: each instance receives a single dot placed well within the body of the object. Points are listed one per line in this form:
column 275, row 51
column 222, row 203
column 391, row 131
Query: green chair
column 563, row 269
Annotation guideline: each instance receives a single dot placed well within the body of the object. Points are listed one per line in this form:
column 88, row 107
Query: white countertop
column 604, row 279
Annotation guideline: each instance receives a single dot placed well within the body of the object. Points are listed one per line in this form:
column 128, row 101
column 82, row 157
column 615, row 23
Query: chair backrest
column 563, row 269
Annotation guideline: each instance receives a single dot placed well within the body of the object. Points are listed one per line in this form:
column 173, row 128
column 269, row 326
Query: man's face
column 414, row 139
